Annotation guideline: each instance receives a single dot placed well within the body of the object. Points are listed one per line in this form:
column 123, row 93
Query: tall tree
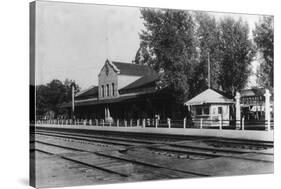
column 207, row 35
column 169, row 40
column 236, row 53
column 263, row 37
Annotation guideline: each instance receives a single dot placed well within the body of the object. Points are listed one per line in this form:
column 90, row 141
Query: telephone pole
column 209, row 71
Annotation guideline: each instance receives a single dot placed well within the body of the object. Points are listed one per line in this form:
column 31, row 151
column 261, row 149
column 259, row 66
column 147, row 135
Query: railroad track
column 153, row 138
column 143, row 136
column 120, row 161
column 167, row 147
column 153, row 159
column 215, row 145
column 137, row 157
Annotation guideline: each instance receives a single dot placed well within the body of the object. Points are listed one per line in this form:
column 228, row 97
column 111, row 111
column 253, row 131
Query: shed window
column 198, row 111
column 206, row 111
column 219, row 110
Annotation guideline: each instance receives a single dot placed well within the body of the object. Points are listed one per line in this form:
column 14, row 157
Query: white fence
column 156, row 123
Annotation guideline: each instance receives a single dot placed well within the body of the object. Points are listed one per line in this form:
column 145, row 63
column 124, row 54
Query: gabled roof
column 133, row 69
column 207, row 97
column 92, row 92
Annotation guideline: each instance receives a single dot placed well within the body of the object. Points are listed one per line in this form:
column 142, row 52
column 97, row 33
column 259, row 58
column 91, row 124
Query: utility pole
column 209, row 71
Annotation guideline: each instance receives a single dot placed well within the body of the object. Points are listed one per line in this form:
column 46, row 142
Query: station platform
column 230, row 134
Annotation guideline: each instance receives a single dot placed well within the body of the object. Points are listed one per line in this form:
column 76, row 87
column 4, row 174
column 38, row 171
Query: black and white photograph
column 122, row 94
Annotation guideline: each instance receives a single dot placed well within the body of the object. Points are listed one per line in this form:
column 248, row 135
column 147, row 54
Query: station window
column 102, row 90
column 107, row 89
column 113, row 92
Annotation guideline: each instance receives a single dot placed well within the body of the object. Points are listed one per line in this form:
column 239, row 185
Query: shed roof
column 209, row 96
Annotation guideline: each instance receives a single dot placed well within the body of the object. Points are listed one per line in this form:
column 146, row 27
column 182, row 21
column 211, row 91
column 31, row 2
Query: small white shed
column 211, row 106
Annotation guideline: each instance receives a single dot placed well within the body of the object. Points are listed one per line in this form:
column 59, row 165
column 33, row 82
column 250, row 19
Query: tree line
column 50, row 96
column 179, row 45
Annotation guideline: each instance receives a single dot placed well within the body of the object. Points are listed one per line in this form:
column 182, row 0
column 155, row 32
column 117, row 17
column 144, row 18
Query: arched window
column 102, row 90
column 107, row 89
column 113, row 92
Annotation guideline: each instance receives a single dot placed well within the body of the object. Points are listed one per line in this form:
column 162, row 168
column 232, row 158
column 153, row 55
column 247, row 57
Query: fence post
column 131, row 122
column 243, row 123
column 201, row 123
column 184, row 122
column 156, row 123
column 117, row 123
column 143, row 123
column 221, row 124
column 125, row 122
column 138, row 122
column 169, row 122
column 103, row 122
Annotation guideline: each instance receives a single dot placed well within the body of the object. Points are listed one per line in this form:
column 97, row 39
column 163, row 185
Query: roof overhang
column 207, row 103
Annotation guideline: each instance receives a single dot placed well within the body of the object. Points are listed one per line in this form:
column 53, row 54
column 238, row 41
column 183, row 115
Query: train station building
column 125, row 90
column 130, row 91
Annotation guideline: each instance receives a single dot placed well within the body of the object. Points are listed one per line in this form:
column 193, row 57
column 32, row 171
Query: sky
column 73, row 40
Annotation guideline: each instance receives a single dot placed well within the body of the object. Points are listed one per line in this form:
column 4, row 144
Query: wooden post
column 131, row 122
column 184, row 122
column 201, row 123
column 156, row 123
column 125, row 122
column 138, row 122
column 143, row 123
column 103, row 122
column 117, row 123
